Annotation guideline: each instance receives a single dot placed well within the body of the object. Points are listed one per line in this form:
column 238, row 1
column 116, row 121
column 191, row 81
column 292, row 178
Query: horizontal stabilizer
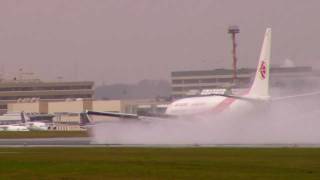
column 296, row 96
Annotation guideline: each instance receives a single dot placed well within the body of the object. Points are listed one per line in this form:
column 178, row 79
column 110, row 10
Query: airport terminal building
column 183, row 82
column 61, row 103
column 35, row 90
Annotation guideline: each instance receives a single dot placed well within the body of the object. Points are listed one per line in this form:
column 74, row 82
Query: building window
column 208, row 80
column 3, row 106
column 177, row 81
column 190, row 81
column 177, row 88
column 192, row 88
column 225, row 80
column 244, row 80
column 43, row 88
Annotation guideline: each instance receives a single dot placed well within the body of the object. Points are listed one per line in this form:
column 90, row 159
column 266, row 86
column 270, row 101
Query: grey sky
column 130, row 40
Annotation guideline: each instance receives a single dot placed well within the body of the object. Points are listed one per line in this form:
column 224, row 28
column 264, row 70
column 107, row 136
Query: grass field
column 159, row 163
column 41, row 134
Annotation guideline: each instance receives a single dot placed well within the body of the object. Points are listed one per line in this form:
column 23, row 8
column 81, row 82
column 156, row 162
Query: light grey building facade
column 283, row 77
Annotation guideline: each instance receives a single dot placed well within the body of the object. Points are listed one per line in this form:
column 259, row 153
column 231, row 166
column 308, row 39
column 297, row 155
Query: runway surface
column 86, row 142
column 45, row 142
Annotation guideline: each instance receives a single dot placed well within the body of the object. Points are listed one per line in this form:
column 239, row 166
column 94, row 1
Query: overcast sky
column 130, row 40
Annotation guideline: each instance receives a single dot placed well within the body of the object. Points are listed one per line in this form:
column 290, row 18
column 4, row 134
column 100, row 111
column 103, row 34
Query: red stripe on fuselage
column 223, row 105
column 227, row 102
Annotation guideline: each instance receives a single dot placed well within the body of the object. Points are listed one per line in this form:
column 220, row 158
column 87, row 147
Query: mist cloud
column 286, row 122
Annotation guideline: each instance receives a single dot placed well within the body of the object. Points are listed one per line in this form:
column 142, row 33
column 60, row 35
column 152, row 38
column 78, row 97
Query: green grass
column 159, row 163
column 41, row 134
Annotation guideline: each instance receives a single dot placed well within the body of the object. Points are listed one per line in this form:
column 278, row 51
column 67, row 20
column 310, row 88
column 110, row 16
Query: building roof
column 240, row 71
column 43, row 84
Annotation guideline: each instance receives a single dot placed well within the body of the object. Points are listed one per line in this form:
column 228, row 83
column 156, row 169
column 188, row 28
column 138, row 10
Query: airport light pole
column 234, row 30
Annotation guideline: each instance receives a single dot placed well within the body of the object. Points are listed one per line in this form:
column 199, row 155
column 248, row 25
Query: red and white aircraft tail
column 260, row 87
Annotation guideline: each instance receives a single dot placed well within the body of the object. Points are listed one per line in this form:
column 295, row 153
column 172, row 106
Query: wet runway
column 86, row 142
column 45, row 142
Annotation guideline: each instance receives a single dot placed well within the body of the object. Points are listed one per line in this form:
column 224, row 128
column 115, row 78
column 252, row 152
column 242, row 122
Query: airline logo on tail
column 263, row 70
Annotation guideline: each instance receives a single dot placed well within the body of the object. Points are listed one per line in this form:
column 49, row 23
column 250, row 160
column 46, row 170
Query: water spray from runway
column 287, row 122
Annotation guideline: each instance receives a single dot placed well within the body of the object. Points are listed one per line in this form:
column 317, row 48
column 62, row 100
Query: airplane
column 13, row 122
column 218, row 103
column 37, row 126
column 34, row 125
column 24, row 125
column 13, row 128
column 223, row 102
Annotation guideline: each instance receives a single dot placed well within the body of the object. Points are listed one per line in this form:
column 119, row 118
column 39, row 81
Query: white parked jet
column 13, row 128
column 37, row 126
column 13, row 122
column 21, row 123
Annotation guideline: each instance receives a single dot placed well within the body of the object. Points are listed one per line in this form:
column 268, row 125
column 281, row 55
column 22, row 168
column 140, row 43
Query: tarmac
column 87, row 142
column 38, row 142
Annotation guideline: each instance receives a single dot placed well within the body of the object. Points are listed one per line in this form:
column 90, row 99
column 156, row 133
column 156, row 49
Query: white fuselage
column 207, row 104
column 39, row 126
column 13, row 128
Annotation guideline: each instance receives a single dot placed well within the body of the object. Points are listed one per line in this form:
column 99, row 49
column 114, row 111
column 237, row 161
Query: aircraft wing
column 296, row 96
column 113, row 114
column 87, row 120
